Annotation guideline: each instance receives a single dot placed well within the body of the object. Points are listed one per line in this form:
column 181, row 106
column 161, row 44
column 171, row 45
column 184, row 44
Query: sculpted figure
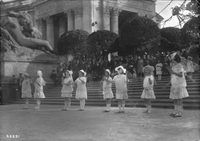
column 20, row 27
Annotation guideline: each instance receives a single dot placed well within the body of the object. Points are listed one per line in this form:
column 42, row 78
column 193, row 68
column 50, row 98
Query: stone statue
column 17, row 30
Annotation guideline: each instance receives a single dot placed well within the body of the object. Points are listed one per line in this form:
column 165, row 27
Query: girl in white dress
column 81, row 90
column 107, row 89
column 148, row 83
column 67, row 90
column 159, row 70
column 120, row 81
column 26, row 89
column 190, row 68
column 178, row 89
column 38, row 94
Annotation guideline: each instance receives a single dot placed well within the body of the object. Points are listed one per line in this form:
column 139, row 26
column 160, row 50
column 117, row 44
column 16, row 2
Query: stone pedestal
column 24, row 60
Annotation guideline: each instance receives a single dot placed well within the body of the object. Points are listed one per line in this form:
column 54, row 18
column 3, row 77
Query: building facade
column 53, row 17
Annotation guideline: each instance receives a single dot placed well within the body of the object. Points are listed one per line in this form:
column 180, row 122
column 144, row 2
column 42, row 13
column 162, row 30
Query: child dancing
column 39, row 94
column 120, row 81
column 107, row 89
column 148, row 83
column 178, row 89
column 67, row 90
column 81, row 90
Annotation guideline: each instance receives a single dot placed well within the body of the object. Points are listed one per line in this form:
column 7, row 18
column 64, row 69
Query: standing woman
column 39, row 84
column 26, row 89
column 67, row 89
column 81, row 90
column 107, row 89
column 120, row 81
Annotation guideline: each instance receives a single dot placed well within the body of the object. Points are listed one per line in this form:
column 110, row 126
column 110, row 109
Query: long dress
column 148, row 92
column 189, row 66
column 140, row 65
column 26, row 89
column 178, row 88
column 159, row 69
column 67, row 88
column 107, row 89
column 39, row 84
column 121, row 86
column 81, row 90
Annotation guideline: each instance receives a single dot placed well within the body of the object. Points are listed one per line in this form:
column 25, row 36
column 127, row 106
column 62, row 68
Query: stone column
column 70, row 20
column 114, row 20
column 50, row 31
column 78, row 14
column 106, row 18
column 62, row 25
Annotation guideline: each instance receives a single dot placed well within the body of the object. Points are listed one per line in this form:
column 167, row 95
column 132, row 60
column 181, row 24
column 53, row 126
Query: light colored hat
column 84, row 73
column 26, row 74
column 70, row 72
column 39, row 73
column 120, row 67
column 107, row 70
column 151, row 68
column 173, row 55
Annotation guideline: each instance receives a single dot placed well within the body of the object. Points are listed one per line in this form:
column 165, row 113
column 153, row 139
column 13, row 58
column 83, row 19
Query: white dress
column 148, row 92
column 189, row 66
column 67, row 88
column 26, row 89
column 107, row 89
column 121, row 86
column 178, row 88
column 159, row 68
column 39, row 84
column 81, row 90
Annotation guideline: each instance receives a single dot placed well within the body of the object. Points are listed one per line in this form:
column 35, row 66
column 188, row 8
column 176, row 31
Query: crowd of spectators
column 95, row 67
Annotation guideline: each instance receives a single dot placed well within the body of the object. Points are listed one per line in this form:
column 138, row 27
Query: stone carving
column 17, row 31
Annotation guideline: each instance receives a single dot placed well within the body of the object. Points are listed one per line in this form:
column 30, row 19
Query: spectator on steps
column 54, row 77
column 19, row 82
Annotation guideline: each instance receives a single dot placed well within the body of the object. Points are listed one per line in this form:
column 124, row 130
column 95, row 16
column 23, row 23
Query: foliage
column 138, row 33
column 171, row 39
column 191, row 30
column 73, row 42
column 100, row 43
column 194, row 6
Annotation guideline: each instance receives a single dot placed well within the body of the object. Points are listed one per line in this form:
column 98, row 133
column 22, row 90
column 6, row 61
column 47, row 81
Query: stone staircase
column 95, row 98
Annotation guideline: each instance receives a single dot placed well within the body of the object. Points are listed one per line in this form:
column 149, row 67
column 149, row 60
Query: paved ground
column 52, row 124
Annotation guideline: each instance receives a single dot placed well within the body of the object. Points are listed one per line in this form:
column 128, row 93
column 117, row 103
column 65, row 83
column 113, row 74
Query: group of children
column 178, row 89
column 187, row 64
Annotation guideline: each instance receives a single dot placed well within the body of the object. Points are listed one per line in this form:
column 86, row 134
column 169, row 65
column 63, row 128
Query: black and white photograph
column 99, row 70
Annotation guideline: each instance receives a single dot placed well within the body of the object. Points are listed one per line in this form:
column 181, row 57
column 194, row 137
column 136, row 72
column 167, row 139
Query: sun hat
column 120, row 67
column 70, row 72
column 84, row 73
column 26, row 74
column 107, row 70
